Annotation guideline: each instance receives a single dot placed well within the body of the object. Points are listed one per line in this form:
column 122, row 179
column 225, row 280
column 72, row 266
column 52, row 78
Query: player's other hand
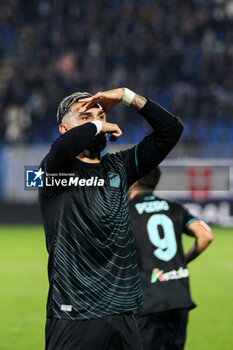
column 112, row 129
column 107, row 99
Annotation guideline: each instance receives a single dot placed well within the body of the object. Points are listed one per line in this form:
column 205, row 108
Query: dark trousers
column 164, row 330
column 115, row 332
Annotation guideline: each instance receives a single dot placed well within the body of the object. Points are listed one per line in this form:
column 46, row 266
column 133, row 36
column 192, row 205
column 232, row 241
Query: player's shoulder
column 45, row 190
column 43, row 162
column 137, row 199
column 115, row 158
column 112, row 155
column 173, row 204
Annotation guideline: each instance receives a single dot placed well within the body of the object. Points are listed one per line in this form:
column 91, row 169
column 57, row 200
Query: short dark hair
column 151, row 180
column 67, row 102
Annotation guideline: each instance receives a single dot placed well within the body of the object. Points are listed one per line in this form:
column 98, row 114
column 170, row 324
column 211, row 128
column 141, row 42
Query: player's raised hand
column 107, row 99
column 112, row 129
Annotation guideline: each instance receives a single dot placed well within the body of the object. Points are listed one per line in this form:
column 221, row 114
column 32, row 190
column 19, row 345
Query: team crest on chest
column 114, row 180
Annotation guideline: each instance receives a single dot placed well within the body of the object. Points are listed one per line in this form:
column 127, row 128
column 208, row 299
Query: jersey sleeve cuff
column 98, row 125
column 190, row 221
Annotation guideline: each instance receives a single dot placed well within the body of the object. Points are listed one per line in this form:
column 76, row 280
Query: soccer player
column 158, row 225
column 94, row 283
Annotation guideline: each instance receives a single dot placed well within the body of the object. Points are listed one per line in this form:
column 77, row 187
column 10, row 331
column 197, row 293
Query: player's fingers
column 98, row 94
column 90, row 99
column 84, row 100
column 83, row 108
column 117, row 133
column 87, row 105
column 114, row 136
column 88, row 102
column 119, row 130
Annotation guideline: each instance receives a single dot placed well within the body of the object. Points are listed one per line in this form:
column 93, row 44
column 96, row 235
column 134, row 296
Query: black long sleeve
column 167, row 131
column 68, row 146
column 150, row 152
column 159, row 118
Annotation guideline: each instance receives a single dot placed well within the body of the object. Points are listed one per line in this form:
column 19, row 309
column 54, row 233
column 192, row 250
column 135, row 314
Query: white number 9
column 166, row 247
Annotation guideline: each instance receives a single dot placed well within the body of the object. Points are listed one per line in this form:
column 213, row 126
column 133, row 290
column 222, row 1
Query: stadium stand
column 184, row 60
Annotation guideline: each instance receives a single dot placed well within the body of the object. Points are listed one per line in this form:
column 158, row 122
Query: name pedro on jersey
column 73, row 181
column 150, row 207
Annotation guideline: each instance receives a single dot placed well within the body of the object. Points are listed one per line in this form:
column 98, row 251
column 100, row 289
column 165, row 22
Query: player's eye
column 85, row 117
column 101, row 116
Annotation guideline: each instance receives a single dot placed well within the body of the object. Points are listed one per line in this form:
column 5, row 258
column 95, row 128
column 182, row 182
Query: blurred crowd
column 178, row 52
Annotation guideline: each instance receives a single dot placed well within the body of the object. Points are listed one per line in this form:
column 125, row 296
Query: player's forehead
column 75, row 106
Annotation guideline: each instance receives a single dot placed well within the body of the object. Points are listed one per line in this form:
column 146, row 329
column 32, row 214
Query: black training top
column 92, row 265
column 158, row 225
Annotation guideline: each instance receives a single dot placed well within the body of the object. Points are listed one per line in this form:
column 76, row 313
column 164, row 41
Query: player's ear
column 63, row 128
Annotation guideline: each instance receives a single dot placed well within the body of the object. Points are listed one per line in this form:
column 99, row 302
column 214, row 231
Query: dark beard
column 98, row 143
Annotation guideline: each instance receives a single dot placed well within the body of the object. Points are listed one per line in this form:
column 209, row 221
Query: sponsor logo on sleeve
column 114, row 180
